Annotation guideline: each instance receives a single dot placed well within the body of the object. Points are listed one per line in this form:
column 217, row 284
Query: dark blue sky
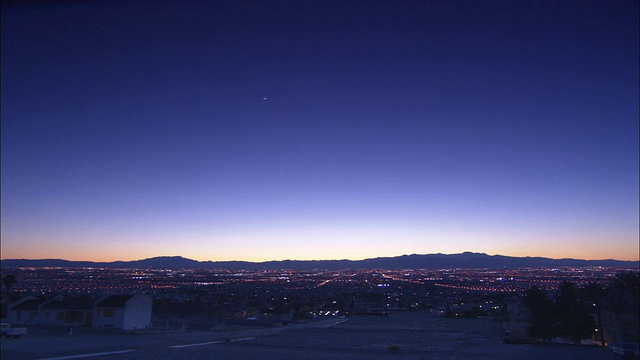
column 140, row 129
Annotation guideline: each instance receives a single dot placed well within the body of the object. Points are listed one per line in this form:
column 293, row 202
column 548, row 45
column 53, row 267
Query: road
column 87, row 343
column 399, row 336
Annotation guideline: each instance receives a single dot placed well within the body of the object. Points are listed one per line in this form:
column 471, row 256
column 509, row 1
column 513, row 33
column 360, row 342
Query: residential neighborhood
column 126, row 312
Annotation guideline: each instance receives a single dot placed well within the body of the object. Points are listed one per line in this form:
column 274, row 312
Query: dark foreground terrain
column 399, row 336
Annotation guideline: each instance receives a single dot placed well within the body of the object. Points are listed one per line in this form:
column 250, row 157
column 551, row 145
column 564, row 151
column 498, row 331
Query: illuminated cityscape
column 220, row 302
column 43, row 281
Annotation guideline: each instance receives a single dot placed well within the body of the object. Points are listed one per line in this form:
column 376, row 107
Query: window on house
column 109, row 312
column 60, row 316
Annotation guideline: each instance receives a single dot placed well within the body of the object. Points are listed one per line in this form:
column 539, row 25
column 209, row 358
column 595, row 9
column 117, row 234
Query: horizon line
column 302, row 260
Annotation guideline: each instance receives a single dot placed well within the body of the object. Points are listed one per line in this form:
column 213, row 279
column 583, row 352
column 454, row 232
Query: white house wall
column 137, row 312
column 99, row 320
column 22, row 317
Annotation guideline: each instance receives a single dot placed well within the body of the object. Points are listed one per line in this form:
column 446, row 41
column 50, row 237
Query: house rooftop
column 27, row 305
column 114, row 301
column 69, row 303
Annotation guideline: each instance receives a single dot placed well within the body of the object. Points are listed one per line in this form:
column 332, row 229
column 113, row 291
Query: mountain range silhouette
column 466, row 260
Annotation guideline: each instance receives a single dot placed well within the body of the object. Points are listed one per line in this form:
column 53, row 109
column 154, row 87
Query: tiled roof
column 114, row 301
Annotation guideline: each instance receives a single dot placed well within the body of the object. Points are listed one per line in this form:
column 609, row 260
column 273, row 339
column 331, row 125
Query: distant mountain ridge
column 466, row 260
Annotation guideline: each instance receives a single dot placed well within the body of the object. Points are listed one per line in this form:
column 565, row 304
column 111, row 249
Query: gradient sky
column 259, row 130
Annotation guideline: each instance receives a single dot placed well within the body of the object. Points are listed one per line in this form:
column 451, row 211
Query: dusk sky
column 267, row 130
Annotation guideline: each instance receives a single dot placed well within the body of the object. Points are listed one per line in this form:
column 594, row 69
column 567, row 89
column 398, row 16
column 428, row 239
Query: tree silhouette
column 574, row 317
column 8, row 281
column 622, row 292
column 568, row 316
column 543, row 314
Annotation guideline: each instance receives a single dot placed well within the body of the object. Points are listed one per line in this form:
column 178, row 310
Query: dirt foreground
column 403, row 335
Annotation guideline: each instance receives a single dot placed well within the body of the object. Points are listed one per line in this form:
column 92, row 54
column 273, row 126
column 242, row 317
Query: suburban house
column 24, row 311
column 128, row 312
column 61, row 310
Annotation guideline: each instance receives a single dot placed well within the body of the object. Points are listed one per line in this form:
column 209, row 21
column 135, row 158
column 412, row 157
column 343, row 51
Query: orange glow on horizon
column 141, row 256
